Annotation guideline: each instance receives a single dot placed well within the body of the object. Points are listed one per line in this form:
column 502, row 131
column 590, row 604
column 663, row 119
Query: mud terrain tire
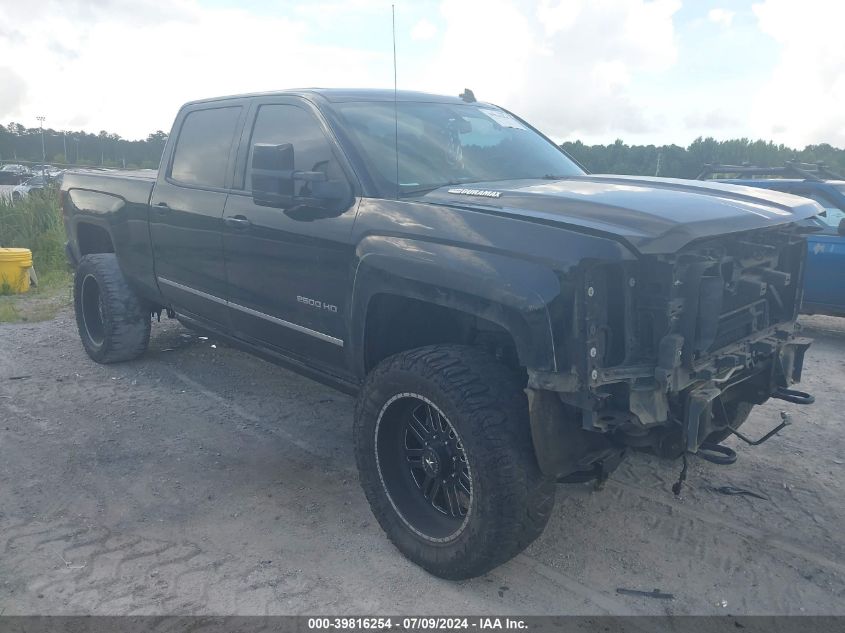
column 113, row 322
column 480, row 421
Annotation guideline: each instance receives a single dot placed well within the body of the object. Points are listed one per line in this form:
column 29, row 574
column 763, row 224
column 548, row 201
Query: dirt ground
column 200, row 480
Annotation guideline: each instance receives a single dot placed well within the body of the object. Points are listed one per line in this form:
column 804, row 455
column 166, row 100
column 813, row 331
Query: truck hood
column 652, row 215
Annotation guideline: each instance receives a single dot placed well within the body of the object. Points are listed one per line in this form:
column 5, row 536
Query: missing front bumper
column 578, row 430
column 701, row 418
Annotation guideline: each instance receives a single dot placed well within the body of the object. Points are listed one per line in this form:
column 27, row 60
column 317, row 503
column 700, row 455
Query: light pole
column 64, row 144
column 43, row 151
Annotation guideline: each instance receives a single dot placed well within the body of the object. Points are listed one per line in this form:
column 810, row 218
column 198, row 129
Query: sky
column 645, row 71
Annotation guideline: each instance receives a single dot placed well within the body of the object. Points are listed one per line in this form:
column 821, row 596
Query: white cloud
column 423, row 30
column 127, row 66
column 13, row 93
column 565, row 66
column 708, row 122
column 568, row 66
column 803, row 99
column 722, row 17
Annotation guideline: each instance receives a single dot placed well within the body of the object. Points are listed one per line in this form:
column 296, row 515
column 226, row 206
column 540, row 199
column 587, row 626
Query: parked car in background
column 50, row 171
column 26, row 187
column 824, row 285
column 13, row 174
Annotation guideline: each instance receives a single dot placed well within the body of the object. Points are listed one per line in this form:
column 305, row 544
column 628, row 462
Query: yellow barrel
column 14, row 269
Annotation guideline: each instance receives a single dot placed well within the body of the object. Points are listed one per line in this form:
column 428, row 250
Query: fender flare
column 94, row 208
column 511, row 292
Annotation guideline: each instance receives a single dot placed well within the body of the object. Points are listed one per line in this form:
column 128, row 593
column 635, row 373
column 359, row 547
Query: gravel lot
column 200, row 480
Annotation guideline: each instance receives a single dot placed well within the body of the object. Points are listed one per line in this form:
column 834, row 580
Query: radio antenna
column 395, row 100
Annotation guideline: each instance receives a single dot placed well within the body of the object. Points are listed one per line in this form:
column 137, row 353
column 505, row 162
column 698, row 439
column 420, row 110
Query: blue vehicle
column 824, row 277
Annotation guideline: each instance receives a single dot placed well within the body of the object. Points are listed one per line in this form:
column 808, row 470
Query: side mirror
column 841, row 229
column 274, row 181
column 272, row 174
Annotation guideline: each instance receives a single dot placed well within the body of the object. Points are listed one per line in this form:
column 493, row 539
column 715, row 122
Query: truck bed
column 131, row 185
column 118, row 203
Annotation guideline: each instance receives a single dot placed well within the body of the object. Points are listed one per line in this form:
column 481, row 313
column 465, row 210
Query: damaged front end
column 665, row 351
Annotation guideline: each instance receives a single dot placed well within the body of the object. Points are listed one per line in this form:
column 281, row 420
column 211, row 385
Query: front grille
column 719, row 292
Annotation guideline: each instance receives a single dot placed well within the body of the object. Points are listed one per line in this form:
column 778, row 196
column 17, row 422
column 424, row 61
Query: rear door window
column 202, row 150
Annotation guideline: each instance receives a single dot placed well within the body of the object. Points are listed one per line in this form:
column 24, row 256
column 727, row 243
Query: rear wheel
column 113, row 322
column 445, row 458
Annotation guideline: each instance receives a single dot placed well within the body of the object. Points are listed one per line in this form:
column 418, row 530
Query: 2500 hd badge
column 315, row 303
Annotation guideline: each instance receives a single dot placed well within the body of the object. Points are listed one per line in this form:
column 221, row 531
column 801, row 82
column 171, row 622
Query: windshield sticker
column 503, row 118
column 486, row 193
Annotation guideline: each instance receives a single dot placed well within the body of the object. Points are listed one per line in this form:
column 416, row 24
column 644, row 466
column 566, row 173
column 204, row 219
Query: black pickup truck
column 506, row 320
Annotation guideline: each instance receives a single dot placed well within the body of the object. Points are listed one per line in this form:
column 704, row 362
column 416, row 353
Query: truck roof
column 345, row 94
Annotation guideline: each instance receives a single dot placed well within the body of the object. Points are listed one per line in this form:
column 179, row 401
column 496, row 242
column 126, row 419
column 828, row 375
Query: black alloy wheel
column 92, row 310
column 423, row 467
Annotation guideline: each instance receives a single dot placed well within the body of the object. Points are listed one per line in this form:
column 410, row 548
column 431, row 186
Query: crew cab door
column 186, row 210
column 289, row 269
column 824, row 279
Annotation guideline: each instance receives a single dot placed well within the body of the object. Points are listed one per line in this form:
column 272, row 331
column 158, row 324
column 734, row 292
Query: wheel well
column 93, row 239
column 395, row 324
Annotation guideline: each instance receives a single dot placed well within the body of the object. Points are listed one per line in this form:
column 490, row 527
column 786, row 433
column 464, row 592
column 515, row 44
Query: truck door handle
column 237, row 222
column 161, row 208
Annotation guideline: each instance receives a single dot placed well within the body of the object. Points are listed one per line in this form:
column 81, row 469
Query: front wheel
column 445, row 459
column 113, row 322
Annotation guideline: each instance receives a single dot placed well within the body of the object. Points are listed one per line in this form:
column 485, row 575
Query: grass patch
column 41, row 303
column 36, row 223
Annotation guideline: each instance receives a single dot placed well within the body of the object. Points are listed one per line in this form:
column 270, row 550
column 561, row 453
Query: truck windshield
column 446, row 144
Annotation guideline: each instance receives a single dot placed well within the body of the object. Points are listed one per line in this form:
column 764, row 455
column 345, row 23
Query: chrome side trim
column 288, row 324
column 293, row 326
column 199, row 293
